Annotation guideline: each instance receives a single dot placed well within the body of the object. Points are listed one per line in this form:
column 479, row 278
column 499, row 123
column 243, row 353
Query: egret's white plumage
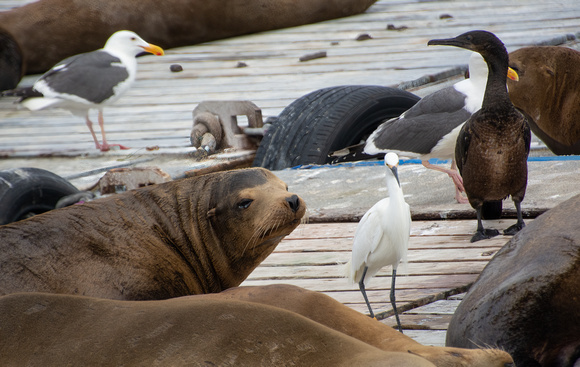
column 91, row 80
column 382, row 235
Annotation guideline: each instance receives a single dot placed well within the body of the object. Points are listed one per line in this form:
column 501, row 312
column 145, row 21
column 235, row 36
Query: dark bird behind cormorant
column 492, row 147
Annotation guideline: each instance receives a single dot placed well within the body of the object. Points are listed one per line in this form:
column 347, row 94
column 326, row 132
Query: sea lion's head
column 250, row 212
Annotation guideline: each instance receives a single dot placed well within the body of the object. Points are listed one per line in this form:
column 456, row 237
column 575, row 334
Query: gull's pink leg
column 90, row 126
column 455, row 176
column 106, row 146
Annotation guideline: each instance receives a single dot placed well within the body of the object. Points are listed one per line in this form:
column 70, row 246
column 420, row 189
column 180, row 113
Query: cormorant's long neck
column 496, row 93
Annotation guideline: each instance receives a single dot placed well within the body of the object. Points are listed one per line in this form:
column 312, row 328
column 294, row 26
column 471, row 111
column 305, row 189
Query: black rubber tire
column 328, row 120
column 25, row 192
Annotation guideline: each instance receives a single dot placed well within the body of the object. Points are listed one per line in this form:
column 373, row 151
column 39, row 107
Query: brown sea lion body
column 191, row 236
column 333, row 314
column 11, row 62
column 51, row 30
column 526, row 300
column 548, row 91
column 46, row 330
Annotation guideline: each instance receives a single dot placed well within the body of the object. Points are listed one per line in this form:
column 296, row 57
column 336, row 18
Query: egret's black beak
column 396, row 173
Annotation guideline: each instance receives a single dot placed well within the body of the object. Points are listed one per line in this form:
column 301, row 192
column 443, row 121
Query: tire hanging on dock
column 327, row 120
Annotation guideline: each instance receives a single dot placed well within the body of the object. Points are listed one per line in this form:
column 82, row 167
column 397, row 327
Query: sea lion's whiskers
column 253, row 240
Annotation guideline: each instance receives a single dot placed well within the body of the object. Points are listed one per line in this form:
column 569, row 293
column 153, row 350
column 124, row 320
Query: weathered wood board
column 441, row 262
column 157, row 111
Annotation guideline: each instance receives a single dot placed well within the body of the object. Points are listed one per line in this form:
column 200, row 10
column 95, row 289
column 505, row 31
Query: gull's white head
column 130, row 43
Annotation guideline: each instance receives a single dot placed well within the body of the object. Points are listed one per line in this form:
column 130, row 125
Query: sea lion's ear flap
column 210, row 213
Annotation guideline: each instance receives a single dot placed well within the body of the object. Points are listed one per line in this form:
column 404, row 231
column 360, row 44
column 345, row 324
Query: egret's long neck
column 395, row 191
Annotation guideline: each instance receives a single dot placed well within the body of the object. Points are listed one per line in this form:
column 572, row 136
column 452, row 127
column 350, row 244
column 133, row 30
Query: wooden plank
column 449, row 281
column 331, row 258
column 420, row 322
column 382, row 296
column 434, row 338
column 415, row 243
column 418, row 228
column 443, row 307
column 268, row 271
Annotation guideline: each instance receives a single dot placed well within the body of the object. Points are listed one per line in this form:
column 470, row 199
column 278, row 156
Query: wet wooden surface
column 442, row 263
column 157, row 110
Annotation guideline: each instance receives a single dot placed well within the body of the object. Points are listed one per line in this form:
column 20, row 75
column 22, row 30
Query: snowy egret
column 382, row 236
column 492, row 147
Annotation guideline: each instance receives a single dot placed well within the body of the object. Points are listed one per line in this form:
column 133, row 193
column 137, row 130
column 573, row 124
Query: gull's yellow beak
column 513, row 75
column 156, row 50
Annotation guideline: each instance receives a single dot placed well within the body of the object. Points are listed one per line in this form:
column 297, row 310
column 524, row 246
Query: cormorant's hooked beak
column 451, row 42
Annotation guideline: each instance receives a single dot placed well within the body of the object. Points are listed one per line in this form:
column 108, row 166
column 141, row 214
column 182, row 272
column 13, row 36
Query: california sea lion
column 44, row 28
column 191, row 236
column 547, row 90
column 39, row 329
column 11, row 63
column 526, row 299
column 329, row 312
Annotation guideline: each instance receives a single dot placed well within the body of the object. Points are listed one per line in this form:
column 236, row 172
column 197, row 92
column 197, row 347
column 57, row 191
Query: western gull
column 382, row 236
column 493, row 145
column 90, row 80
column 429, row 129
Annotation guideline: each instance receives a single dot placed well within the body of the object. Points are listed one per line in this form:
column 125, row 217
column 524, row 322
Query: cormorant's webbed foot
column 512, row 230
column 484, row 234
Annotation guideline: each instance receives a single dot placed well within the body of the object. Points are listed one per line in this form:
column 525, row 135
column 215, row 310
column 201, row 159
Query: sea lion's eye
column 244, row 203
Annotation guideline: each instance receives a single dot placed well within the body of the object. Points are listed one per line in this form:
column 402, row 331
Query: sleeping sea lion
column 547, row 90
column 39, row 329
column 329, row 312
column 526, row 300
column 190, row 236
column 44, row 28
column 11, row 63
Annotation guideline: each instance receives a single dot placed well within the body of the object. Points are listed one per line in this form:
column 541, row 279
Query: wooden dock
column 157, row 110
column 442, row 264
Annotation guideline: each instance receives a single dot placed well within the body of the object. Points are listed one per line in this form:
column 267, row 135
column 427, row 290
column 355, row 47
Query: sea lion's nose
column 294, row 202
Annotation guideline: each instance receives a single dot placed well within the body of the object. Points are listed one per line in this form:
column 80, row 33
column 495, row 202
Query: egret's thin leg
column 361, row 285
column 393, row 300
